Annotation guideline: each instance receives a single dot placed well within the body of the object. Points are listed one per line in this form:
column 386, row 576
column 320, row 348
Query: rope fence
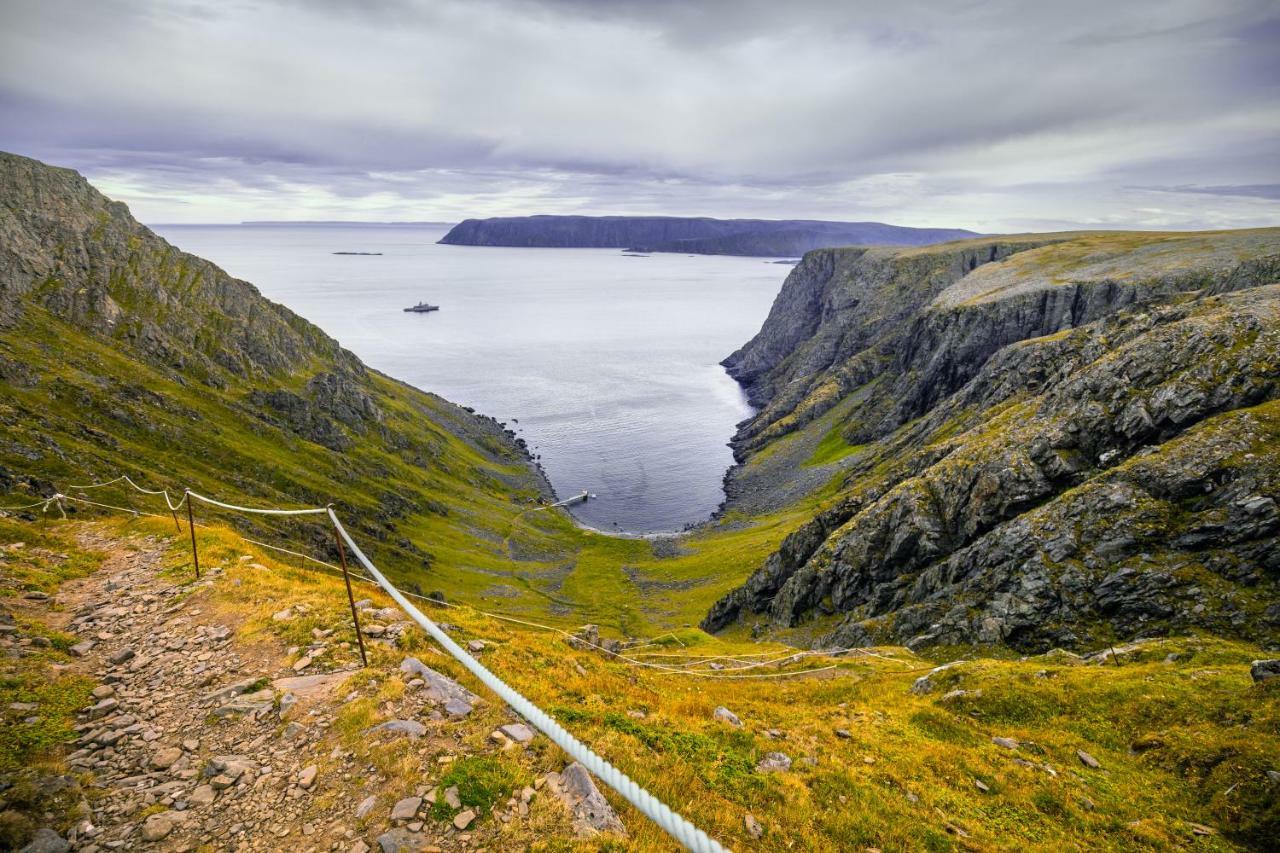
column 675, row 825
column 737, row 666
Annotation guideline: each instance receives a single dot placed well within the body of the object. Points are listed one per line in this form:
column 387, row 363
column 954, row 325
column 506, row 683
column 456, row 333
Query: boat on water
column 423, row 308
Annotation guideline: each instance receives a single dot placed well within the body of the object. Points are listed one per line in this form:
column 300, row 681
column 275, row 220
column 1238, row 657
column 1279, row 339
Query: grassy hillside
column 121, row 354
column 1183, row 738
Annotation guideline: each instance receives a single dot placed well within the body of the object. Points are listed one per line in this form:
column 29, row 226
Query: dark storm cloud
column 990, row 115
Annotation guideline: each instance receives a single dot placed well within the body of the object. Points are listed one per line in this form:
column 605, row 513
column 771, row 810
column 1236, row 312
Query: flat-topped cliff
column 692, row 235
column 1038, row 440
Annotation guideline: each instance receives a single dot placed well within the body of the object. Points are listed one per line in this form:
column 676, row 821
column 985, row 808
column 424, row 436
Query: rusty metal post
column 195, row 553
column 351, row 599
column 176, row 523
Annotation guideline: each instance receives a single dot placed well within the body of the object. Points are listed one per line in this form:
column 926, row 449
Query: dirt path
column 201, row 740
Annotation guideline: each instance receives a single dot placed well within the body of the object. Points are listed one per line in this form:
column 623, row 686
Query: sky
column 995, row 116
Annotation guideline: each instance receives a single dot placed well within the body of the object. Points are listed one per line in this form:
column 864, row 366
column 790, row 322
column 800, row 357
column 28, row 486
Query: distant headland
column 700, row 235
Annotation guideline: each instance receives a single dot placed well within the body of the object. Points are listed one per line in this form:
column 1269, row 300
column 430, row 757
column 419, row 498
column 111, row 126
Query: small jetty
column 422, row 308
column 579, row 498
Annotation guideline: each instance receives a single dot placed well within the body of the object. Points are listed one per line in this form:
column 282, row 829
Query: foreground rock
column 1265, row 670
column 590, row 811
column 457, row 700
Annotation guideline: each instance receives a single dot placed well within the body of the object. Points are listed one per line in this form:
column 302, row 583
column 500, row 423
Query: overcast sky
column 996, row 116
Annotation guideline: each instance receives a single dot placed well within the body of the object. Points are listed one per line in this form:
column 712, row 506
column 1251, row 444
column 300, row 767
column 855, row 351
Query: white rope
column 676, row 826
column 44, row 503
column 173, row 507
column 676, row 669
column 129, row 510
column 98, row 485
column 315, row 560
column 164, row 492
column 316, row 511
column 679, row 669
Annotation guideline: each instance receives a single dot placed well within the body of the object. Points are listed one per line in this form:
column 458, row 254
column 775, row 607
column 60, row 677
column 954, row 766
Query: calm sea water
column 607, row 365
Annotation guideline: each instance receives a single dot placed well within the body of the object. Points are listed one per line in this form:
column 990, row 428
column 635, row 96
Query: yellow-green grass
column 1183, row 741
column 832, row 448
column 35, row 558
column 32, row 739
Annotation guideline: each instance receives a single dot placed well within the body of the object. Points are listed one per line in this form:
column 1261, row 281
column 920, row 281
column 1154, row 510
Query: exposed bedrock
column 1048, row 464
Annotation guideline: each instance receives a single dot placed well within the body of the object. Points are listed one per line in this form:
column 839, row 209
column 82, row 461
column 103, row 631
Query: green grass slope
column 121, row 354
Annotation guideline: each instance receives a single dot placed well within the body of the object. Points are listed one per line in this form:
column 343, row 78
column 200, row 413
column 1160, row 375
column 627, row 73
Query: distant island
column 339, row 223
column 703, row 236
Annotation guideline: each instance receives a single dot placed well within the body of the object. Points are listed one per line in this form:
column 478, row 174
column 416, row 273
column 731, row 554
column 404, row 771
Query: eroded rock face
column 1045, row 457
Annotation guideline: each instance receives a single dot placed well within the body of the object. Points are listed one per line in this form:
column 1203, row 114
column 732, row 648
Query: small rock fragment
column 724, row 715
column 518, row 732
column 46, row 841
column 406, row 809
column 165, row 758
column 203, row 795
column 774, row 762
column 412, row 728
column 1264, row 670
column 590, row 811
column 157, row 826
column 307, row 777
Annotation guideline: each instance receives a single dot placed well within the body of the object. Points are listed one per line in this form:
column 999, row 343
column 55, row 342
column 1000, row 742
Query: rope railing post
column 351, row 599
column 191, row 521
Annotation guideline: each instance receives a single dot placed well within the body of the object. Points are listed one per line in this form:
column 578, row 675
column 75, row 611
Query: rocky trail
column 198, row 739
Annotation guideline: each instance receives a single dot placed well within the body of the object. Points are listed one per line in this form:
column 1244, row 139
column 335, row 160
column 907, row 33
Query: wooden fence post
column 351, row 599
column 195, row 553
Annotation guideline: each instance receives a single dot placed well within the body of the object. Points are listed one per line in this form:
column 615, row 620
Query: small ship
column 423, row 308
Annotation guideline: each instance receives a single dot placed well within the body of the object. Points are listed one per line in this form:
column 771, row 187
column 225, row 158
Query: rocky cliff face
column 1067, row 438
column 120, row 353
column 759, row 237
column 67, row 248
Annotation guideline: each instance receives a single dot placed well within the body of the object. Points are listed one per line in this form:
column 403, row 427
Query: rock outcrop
column 1067, row 436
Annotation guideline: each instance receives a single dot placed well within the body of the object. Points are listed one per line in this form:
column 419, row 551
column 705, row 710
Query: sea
column 607, row 364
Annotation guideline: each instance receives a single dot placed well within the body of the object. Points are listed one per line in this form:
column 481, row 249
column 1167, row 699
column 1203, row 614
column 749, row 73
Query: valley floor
column 144, row 709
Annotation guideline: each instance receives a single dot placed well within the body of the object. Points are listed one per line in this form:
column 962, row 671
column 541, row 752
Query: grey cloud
column 1267, row 191
column 1003, row 112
